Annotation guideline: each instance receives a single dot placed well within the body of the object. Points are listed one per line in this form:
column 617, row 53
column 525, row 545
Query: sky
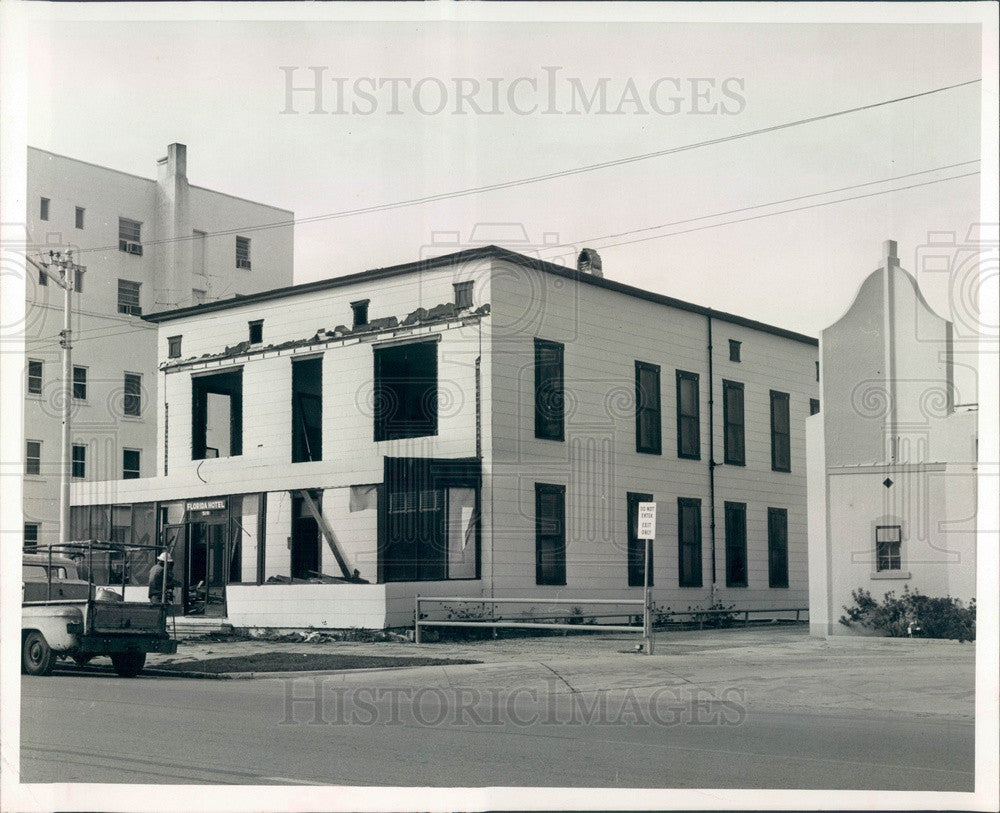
column 116, row 94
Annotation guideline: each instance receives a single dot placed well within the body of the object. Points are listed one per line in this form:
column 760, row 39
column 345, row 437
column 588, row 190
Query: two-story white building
column 482, row 424
column 144, row 245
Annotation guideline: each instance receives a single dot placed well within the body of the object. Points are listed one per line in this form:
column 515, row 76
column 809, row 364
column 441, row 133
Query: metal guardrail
column 699, row 614
column 646, row 629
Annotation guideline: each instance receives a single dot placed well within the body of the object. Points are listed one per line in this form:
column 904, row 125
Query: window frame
column 39, row 377
column 36, row 528
column 687, row 420
column 731, row 426
column 79, row 216
column 44, row 208
column 32, row 462
column 129, row 234
column 384, row 428
column 243, row 262
column 814, row 406
column 635, row 552
column 79, row 382
column 550, row 376
column 777, row 548
column 174, row 342
column 125, row 286
column 655, row 446
column 735, row 351
column 359, row 313
column 199, row 412
column 137, row 469
column 300, row 434
column 557, row 577
column 132, row 397
column 695, row 579
column 889, row 557
column 736, row 547
column 255, row 326
column 79, row 461
column 777, row 399
column 463, row 293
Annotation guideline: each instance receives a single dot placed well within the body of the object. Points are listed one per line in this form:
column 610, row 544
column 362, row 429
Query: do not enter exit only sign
column 647, row 520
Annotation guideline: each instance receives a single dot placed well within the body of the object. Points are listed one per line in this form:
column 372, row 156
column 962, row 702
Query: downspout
column 711, row 455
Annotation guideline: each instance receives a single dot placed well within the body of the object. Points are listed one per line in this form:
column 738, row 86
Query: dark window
column 307, row 410
column 43, row 278
column 817, row 371
column 243, row 253
column 306, row 548
column 43, row 209
column 80, row 383
column 688, row 422
column 34, row 376
column 217, row 415
column 406, row 391
column 256, row 331
column 133, row 395
column 647, row 408
column 636, row 546
column 732, row 419
column 359, row 311
column 734, row 350
column 463, row 294
column 130, row 464
column 31, row 535
column 428, row 520
column 777, row 547
column 736, row 544
column 128, row 297
column 689, row 541
column 79, row 460
column 33, row 457
column 814, row 406
column 550, row 534
column 174, row 347
column 549, row 400
column 888, row 547
column 78, row 279
column 781, row 455
column 130, row 236
column 79, row 217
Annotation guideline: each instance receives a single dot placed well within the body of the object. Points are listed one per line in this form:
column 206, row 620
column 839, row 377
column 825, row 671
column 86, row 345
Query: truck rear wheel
column 37, row 657
column 128, row 664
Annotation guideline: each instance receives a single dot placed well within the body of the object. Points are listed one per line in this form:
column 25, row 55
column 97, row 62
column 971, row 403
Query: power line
column 117, row 331
column 782, row 212
column 772, row 203
column 550, row 175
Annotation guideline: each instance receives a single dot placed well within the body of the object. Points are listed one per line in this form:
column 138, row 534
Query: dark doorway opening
column 305, row 539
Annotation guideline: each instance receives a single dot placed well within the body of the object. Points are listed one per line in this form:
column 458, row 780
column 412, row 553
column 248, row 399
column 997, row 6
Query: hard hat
column 164, row 557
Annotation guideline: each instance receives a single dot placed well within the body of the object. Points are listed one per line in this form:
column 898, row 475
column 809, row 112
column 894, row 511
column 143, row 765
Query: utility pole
column 65, row 280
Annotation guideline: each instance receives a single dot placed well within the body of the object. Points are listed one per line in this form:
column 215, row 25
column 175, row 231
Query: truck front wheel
column 37, row 657
column 128, row 664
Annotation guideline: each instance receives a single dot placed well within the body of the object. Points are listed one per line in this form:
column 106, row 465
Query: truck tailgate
column 119, row 617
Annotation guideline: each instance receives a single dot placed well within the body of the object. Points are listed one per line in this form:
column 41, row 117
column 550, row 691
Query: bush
column 912, row 614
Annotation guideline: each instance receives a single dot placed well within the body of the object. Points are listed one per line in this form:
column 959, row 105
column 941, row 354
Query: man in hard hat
column 162, row 569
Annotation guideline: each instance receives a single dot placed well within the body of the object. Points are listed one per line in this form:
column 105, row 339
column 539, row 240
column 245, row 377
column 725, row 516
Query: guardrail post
column 416, row 618
column 746, row 619
column 796, row 616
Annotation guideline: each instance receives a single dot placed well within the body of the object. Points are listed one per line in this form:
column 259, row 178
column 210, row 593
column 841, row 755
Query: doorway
column 305, row 540
column 207, row 568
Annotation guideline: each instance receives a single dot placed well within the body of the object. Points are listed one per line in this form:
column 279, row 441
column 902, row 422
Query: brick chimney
column 589, row 262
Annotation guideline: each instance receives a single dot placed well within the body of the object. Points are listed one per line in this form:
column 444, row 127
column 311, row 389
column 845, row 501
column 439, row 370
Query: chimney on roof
column 589, row 262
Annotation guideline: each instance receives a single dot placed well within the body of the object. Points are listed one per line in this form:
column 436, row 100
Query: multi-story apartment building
column 893, row 461
column 143, row 245
column 480, row 424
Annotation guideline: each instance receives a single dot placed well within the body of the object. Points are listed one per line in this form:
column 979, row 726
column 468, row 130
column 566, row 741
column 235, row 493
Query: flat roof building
column 476, row 424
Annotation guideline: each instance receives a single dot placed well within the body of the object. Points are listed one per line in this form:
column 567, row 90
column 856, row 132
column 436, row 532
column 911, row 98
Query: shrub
column 912, row 614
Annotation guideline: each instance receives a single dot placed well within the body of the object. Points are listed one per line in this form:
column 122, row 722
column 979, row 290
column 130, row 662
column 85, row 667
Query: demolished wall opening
column 307, row 410
column 217, row 415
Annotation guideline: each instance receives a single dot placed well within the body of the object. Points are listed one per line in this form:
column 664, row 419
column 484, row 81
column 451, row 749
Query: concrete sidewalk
column 774, row 667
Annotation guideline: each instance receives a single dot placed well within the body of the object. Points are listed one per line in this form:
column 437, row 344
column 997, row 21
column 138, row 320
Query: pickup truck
column 65, row 616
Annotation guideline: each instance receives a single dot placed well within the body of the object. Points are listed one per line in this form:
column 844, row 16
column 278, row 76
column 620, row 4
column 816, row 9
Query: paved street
column 717, row 709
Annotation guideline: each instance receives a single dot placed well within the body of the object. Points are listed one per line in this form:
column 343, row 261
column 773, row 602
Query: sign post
column 647, row 531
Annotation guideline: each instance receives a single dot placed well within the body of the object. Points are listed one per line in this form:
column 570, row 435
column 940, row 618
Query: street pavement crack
column 554, row 672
